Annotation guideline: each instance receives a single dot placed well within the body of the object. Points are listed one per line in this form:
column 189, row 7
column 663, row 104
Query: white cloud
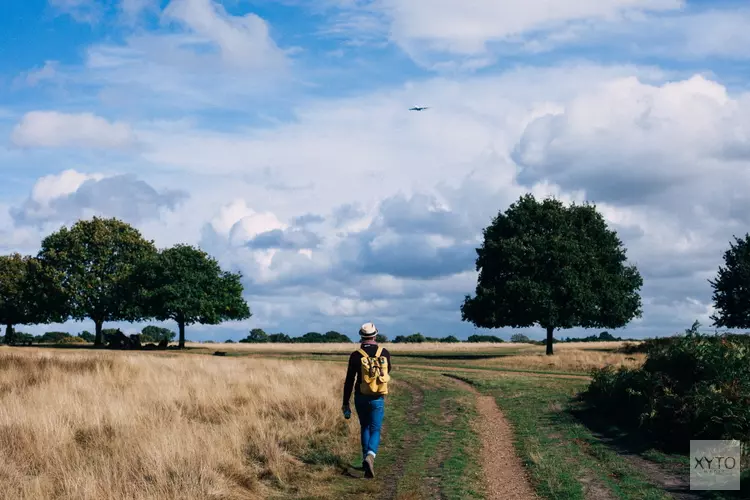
column 52, row 129
column 446, row 34
column 50, row 187
column 72, row 195
column 34, row 77
column 132, row 9
column 200, row 57
column 244, row 41
column 633, row 141
column 85, row 11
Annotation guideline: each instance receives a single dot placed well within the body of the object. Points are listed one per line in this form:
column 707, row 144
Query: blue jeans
column 370, row 412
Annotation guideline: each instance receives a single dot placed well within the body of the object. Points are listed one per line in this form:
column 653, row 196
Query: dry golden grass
column 93, row 425
column 590, row 346
column 566, row 360
column 344, row 348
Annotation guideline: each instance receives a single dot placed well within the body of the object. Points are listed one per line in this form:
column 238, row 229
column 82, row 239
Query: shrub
column 485, row 338
column 450, row 339
column 690, row 387
column 87, row 336
column 53, row 337
column 416, row 338
column 70, row 340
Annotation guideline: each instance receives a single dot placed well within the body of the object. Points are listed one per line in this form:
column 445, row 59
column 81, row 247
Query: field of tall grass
column 344, row 348
column 96, row 425
column 566, row 360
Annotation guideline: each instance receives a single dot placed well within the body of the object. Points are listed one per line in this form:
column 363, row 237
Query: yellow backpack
column 374, row 377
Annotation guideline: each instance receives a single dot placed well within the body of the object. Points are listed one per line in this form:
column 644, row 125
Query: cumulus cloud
column 51, row 129
column 635, row 142
column 71, row 195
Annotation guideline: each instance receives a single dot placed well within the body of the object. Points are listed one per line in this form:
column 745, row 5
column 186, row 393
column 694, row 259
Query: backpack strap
column 363, row 353
column 380, row 351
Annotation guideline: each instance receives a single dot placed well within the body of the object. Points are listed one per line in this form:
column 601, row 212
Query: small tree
column 310, row 338
column 257, row 336
column 731, row 288
column 519, row 338
column 87, row 336
column 279, row 338
column 95, row 260
column 336, row 337
column 153, row 333
column 188, row 286
column 542, row 263
column 380, row 338
column 450, row 339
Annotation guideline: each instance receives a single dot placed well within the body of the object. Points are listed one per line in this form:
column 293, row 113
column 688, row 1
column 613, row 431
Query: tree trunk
column 550, row 329
column 181, row 324
column 9, row 334
column 98, row 339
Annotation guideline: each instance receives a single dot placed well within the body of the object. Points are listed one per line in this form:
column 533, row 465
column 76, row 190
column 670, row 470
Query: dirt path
column 504, row 474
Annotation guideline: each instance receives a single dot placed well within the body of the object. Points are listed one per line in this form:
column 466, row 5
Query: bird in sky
column 418, row 108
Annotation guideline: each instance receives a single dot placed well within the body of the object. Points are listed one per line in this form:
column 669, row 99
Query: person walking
column 368, row 375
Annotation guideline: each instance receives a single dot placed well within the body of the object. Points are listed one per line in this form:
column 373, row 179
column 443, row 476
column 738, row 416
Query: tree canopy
column 731, row 288
column 185, row 284
column 28, row 294
column 15, row 304
column 556, row 266
column 95, row 260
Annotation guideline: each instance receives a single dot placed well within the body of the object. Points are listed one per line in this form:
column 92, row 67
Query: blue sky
column 276, row 135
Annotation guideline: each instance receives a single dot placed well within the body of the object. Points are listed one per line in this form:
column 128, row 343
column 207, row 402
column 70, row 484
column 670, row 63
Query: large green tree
column 556, row 266
column 731, row 287
column 27, row 294
column 185, row 284
column 95, row 260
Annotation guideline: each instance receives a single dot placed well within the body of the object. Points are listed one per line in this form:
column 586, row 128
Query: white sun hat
column 368, row 331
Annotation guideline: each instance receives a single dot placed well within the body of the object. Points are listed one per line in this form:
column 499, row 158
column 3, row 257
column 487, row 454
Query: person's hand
column 347, row 411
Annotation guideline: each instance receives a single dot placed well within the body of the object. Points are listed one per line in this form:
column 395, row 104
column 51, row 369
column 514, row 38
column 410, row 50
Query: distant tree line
column 258, row 335
column 104, row 270
column 149, row 333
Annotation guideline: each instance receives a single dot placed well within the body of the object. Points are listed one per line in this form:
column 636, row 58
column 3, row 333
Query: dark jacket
column 353, row 372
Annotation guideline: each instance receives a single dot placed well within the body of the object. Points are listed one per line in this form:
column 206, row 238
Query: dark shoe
column 369, row 465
